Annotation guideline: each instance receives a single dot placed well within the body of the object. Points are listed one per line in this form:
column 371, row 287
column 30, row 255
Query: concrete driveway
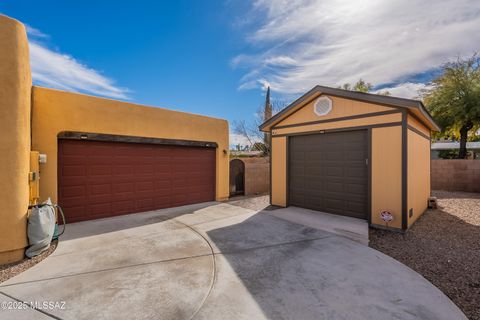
column 218, row 261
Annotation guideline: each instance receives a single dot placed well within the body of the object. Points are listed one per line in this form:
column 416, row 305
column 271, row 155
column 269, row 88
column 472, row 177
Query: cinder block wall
column 456, row 175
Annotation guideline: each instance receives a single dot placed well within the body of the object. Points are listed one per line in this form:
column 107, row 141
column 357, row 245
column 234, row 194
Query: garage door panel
column 97, row 199
column 76, row 201
column 123, row 187
column 75, row 160
column 356, row 189
column 328, row 172
column 354, row 155
column 123, row 206
column 332, row 156
column 297, row 198
column 74, row 171
column 142, row 168
column 101, row 179
column 76, row 212
column 357, row 172
column 100, row 209
column 122, row 170
column 144, row 185
column 99, row 170
column 314, row 202
column 144, row 204
column 74, row 191
column 101, row 189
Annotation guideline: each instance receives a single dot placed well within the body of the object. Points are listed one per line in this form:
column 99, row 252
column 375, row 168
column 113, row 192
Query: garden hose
column 59, row 209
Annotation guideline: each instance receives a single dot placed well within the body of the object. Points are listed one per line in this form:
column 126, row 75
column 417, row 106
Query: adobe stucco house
column 353, row 154
column 103, row 157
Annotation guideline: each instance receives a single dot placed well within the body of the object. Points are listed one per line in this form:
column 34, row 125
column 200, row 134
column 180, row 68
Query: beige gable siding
column 418, row 125
column 341, row 108
column 388, row 118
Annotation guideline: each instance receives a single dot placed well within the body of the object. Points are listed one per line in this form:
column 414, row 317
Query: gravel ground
column 444, row 247
column 9, row 270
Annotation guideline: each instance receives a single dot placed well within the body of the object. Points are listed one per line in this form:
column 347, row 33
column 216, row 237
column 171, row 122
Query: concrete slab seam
column 214, row 275
column 108, row 269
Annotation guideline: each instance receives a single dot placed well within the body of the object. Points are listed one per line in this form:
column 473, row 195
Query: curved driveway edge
column 160, row 265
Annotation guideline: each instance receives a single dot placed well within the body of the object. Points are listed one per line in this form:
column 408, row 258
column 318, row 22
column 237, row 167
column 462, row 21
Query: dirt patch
column 256, row 203
column 10, row 270
column 444, row 247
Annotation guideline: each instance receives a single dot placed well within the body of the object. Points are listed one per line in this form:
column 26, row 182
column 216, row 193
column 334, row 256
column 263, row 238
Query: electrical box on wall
column 42, row 158
column 34, row 177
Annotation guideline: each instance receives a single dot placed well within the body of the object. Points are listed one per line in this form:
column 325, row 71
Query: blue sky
column 216, row 57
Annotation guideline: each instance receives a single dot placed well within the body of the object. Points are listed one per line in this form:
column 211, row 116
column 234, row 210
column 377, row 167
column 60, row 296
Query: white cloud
column 238, row 139
column 407, row 90
column 33, row 32
column 57, row 70
column 331, row 42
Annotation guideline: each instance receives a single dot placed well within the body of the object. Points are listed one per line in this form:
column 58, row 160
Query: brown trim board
column 369, row 175
column 379, row 125
column 287, row 178
column 404, row 170
column 420, row 133
column 357, row 116
column 271, row 159
column 133, row 139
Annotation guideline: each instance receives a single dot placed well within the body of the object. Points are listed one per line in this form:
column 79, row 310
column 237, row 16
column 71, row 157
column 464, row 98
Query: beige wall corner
column 279, row 171
column 15, row 93
column 387, row 175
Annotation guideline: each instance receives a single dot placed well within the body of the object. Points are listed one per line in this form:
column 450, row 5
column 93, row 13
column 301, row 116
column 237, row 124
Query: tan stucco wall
column 343, row 108
column 56, row 111
column 279, row 171
column 418, row 174
column 387, row 174
column 15, row 86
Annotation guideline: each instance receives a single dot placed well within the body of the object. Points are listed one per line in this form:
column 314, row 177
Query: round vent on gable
column 322, row 106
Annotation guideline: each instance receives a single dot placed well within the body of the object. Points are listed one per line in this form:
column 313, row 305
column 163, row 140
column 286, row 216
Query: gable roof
column 409, row 104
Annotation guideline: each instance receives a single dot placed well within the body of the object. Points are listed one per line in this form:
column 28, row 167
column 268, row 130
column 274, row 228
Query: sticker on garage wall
column 386, row 216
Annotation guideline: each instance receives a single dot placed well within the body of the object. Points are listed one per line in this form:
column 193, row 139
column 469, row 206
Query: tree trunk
column 462, row 153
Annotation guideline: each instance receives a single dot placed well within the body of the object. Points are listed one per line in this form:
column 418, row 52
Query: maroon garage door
column 103, row 179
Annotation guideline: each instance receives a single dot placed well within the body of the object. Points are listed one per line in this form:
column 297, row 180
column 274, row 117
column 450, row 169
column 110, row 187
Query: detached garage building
column 353, row 154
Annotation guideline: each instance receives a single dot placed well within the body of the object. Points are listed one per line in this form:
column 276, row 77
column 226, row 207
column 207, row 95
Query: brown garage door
column 102, row 179
column 328, row 172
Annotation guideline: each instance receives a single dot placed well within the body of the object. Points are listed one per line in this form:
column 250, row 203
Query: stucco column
column 15, row 93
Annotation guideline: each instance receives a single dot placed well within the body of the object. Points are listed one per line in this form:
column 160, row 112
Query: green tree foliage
column 454, row 100
column 362, row 86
